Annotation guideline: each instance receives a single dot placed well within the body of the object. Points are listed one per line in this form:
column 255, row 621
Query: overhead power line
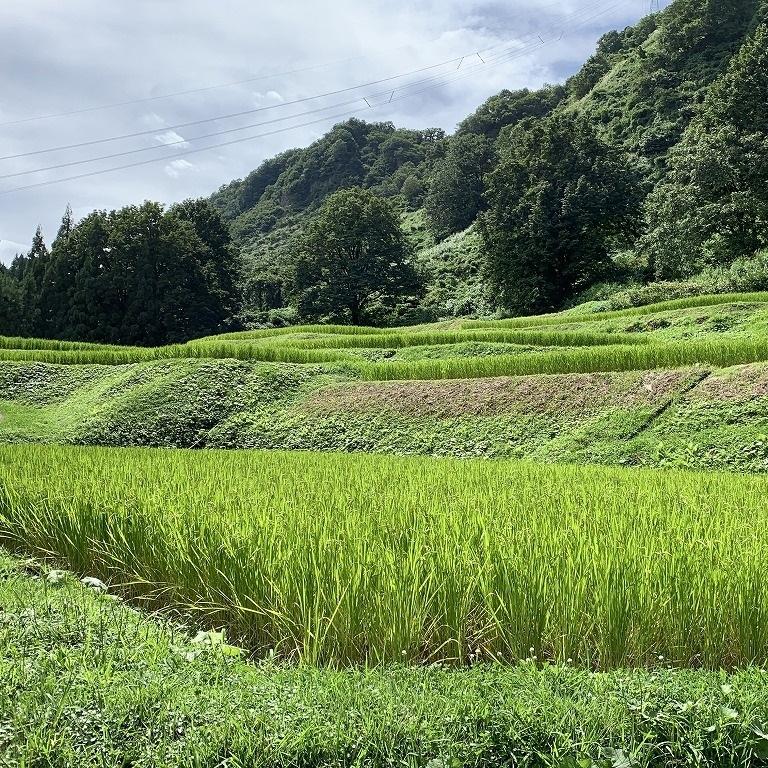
column 193, row 91
column 187, row 92
column 444, row 79
column 346, row 113
column 258, row 110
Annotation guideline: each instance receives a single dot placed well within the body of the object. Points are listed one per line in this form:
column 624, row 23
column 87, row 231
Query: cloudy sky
column 64, row 62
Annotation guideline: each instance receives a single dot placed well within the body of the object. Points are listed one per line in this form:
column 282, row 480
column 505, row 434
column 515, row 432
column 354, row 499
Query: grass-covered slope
column 697, row 415
column 86, row 681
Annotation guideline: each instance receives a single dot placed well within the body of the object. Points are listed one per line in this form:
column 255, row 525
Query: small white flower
column 93, row 583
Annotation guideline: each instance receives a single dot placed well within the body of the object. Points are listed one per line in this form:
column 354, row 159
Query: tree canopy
column 713, row 207
column 139, row 275
column 559, row 199
column 354, row 259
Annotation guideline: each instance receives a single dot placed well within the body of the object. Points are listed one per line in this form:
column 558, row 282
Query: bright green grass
column 565, row 318
column 348, row 559
column 209, row 350
column 86, row 681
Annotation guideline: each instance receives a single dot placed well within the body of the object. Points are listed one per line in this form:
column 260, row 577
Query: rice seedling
column 712, row 352
column 263, row 333
column 571, row 351
column 82, row 676
column 432, row 338
column 106, row 355
column 338, row 559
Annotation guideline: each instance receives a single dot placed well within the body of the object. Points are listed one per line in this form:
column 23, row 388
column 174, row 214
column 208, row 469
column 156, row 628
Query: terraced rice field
column 342, row 560
column 562, row 343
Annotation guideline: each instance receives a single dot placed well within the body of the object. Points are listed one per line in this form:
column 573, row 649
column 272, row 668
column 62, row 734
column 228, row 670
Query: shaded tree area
column 455, row 194
column 9, row 303
column 354, row 263
column 560, row 200
column 139, row 275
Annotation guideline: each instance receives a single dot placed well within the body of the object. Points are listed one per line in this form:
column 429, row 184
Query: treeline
column 650, row 164
column 140, row 275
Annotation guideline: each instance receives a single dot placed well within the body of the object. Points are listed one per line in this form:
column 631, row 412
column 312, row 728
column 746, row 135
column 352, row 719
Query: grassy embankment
column 699, row 416
column 85, row 680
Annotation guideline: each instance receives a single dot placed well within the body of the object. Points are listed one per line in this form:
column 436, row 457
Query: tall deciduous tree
column 560, row 199
column 354, row 255
column 455, row 194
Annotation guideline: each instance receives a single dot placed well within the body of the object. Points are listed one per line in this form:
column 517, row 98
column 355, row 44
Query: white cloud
column 269, row 97
column 155, row 50
column 171, row 138
column 175, row 168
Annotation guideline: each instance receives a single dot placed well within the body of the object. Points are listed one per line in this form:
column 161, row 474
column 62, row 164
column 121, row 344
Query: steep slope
column 644, row 85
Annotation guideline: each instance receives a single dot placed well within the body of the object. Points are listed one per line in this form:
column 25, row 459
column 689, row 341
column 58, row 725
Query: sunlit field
column 338, row 559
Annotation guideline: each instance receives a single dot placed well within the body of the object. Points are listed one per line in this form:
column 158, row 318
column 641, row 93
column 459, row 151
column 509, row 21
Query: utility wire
column 177, row 155
column 243, row 113
column 188, row 92
column 367, row 99
column 203, row 89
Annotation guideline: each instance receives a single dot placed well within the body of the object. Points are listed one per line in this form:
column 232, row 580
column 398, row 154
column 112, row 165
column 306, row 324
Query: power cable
column 347, row 113
column 243, row 113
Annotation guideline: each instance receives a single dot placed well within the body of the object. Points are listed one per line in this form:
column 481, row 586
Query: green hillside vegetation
column 693, row 393
column 646, row 95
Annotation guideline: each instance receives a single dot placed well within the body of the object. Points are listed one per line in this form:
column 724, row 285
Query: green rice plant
column 263, row 333
column 83, row 676
column 346, row 559
column 124, row 355
column 432, row 338
column 560, row 318
column 718, row 353
column 18, row 342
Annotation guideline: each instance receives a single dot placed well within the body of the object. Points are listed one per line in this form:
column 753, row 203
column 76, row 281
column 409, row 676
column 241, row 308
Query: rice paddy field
column 334, row 559
column 721, row 331
column 333, row 606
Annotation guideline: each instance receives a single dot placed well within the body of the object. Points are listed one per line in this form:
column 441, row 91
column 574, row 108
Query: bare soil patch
column 493, row 396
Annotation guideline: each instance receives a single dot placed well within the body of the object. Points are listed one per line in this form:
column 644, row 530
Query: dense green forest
column 644, row 176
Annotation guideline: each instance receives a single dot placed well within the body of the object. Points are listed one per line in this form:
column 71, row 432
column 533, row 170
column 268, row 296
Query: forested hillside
column 490, row 213
column 650, row 164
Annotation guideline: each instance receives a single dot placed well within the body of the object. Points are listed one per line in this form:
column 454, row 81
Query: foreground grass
column 86, row 681
column 349, row 559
